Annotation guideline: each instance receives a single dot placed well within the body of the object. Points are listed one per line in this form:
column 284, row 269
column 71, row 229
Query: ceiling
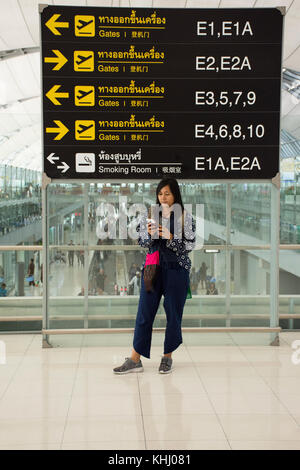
column 20, row 105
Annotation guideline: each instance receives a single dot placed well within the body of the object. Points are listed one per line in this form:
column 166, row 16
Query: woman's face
column 165, row 196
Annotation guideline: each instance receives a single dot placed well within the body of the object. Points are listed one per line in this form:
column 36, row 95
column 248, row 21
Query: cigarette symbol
column 85, row 162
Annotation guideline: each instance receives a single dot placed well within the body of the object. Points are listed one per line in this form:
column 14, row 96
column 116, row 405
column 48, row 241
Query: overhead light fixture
column 211, row 251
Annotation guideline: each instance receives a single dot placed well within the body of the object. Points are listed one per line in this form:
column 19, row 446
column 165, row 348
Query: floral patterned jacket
column 180, row 246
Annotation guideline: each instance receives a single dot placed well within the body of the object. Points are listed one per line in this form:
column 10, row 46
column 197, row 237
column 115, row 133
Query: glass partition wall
column 93, row 277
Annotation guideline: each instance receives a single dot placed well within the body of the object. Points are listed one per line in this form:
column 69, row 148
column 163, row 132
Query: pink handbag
column 152, row 258
column 151, row 270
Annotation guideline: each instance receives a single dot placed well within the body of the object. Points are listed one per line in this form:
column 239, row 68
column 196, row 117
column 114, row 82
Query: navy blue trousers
column 173, row 285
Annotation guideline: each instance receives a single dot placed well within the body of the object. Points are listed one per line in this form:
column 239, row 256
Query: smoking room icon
column 84, row 25
column 85, row 162
column 83, row 61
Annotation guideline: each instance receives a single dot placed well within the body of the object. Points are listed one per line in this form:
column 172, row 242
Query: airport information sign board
column 147, row 92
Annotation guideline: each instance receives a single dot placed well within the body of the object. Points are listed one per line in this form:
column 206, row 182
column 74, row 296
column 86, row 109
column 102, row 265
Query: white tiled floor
column 219, row 396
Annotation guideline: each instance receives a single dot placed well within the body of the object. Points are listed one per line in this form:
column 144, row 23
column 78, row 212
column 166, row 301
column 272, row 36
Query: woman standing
column 174, row 237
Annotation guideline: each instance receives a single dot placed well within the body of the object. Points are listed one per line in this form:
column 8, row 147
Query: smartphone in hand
column 151, row 226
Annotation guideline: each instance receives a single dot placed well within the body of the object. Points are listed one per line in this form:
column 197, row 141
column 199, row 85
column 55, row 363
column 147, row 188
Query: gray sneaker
column 165, row 365
column 129, row 366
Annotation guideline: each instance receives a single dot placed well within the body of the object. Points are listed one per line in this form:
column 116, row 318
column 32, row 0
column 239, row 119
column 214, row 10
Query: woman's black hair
column 174, row 187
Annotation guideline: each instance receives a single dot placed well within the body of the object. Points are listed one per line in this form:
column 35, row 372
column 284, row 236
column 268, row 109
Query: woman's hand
column 164, row 232
column 151, row 229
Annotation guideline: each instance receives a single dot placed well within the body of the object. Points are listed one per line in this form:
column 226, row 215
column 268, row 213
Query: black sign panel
column 131, row 93
column 167, row 61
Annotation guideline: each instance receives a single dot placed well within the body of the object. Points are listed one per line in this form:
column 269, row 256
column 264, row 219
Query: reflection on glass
column 289, row 211
column 208, row 273
column 66, row 214
column 251, row 214
column 289, row 289
column 289, row 272
column 213, row 197
column 250, row 288
column 20, row 206
column 250, row 272
column 20, row 274
column 66, row 274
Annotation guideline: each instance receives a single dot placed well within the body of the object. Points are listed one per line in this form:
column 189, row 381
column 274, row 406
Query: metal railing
column 46, row 331
column 6, row 301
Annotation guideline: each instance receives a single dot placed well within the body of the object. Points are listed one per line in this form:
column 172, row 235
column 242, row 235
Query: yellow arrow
column 53, row 94
column 52, row 24
column 61, row 130
column 60, row 59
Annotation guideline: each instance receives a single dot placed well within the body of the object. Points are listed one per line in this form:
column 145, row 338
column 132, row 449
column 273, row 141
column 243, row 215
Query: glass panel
column 289, row 272
column 250, row 288
column 112, row 272
column 122, row 196
column 290, row 214
column 290, row 191
column 18, row 296
column 213, row 198
column 20, row 207
column 109, row 207
column 66, row 213
column 16, row 270
column 66, row 273
column 251, row 214
column 289, row 288
column 66, row 288
column 207, row 307
column 207, row 269
column 112, row 297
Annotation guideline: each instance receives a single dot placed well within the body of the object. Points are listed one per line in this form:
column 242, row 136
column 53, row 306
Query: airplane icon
column 83, row 61
column 84, row 95
column 85, row 130
column 84, row 25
